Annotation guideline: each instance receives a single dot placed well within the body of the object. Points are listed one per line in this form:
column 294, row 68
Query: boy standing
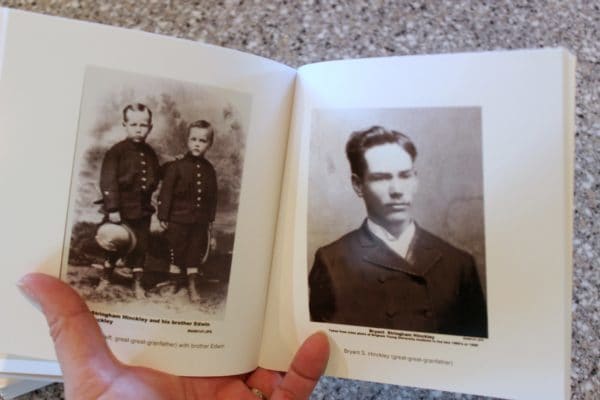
column 187, row 204
column 128, row 177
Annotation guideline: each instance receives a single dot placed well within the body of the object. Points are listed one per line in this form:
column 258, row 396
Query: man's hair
column 204, row 125
column 360, row 141
column 136, row 107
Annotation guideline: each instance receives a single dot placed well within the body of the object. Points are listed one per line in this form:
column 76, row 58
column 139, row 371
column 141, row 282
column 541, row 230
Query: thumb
column 307, row 367
column 80, row 345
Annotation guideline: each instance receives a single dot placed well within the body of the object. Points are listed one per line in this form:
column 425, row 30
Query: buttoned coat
column 358, row 280
column 188, row 194
column 128, row 177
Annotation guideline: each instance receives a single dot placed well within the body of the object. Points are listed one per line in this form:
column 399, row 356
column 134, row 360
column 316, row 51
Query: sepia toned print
column 396, row 267
column 154, row 194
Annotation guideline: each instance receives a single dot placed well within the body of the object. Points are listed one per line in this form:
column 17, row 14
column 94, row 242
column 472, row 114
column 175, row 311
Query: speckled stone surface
column 300, row 32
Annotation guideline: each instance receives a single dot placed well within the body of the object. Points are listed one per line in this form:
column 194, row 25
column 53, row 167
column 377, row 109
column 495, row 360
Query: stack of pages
column 12, row 388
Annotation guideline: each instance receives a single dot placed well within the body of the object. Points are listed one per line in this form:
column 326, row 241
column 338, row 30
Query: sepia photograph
column 154, row 194
column 395, row 230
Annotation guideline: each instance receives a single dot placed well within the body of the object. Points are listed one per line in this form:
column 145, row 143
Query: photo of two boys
column 155, row 190
column 130, row 174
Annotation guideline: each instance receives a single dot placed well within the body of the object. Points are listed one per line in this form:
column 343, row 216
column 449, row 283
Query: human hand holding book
column 91, row 370
column 84, row 356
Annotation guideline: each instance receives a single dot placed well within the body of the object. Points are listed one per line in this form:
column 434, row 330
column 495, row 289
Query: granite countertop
column 300, row 32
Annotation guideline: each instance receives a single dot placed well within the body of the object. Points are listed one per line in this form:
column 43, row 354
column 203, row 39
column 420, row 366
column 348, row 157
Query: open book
column 417, row 209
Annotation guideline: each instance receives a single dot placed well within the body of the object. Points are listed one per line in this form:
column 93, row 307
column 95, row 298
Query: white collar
column 399, row 245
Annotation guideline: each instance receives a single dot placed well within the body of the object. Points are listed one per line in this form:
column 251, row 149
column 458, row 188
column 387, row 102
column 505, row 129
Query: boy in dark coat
column 128, row 177
column 187, row 206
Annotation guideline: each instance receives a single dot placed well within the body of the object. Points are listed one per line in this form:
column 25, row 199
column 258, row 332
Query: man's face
column 388, row 184
column 199, row 141
column 137, row 125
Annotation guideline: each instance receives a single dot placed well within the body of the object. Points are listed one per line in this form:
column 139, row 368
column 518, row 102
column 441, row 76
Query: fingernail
column 28, row 295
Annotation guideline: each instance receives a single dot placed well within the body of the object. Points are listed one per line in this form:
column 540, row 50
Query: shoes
column 105, row 275
column 102, row 285
column 172, row 286
column 193, row 292
column 138, row 290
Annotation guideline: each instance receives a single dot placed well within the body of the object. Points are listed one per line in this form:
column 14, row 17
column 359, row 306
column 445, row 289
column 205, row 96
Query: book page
column 430, row 197
column 146, row 172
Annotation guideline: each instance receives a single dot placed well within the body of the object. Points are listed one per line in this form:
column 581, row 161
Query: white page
column 44, row 103
column 3, row 25
column 525, row 100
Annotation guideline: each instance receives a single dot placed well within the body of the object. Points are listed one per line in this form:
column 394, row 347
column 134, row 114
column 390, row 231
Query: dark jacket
column 358, row 280
column 189, row 191
column 128, row 177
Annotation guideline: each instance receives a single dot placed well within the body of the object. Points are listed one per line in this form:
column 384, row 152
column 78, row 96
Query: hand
column 114, row 217
column 91, row 371
column 164, row 225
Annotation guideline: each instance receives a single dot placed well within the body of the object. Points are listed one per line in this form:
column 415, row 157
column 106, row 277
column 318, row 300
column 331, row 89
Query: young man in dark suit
column 390, row 272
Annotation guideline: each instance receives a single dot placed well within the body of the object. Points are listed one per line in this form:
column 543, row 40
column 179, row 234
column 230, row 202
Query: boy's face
column 199, row 141
column 137, row 125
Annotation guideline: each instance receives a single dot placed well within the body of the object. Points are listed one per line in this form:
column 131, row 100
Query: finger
column 235, row 390
column 307, row 367
column 80, row 346
column 264, row 380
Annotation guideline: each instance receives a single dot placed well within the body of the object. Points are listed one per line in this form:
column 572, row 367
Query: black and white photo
column 395, row 230
column 155, row 192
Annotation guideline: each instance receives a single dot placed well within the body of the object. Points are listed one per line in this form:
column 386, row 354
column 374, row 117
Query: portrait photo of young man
column 390, row 272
